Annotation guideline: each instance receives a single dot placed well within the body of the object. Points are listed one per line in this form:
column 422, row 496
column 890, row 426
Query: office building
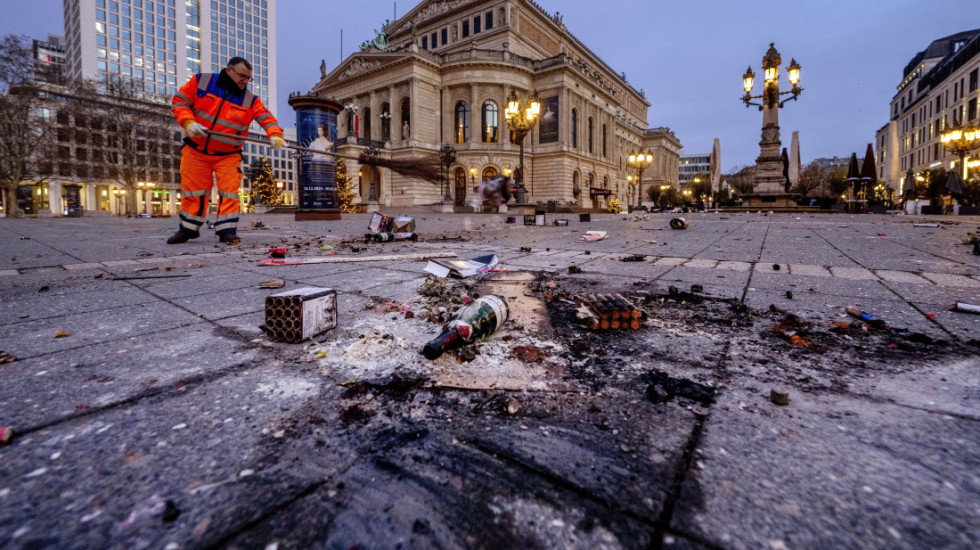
column 49, row 60
column 691, row 165
column 939, row 88
column 162, row 43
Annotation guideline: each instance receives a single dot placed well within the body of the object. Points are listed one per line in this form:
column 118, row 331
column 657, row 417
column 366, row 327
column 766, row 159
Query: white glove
column 196, row 130
column 277, row 141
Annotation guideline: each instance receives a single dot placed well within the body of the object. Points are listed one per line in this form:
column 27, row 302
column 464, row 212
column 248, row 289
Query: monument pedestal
column 770, row 200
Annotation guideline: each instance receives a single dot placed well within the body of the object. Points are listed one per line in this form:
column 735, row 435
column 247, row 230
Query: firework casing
column 476, row 321
column 299, row 314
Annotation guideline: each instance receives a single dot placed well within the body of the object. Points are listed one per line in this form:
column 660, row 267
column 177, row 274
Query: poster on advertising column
column 316, row 129
column 548, row 125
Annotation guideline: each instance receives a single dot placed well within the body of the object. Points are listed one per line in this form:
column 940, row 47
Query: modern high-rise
column 49, row 59
column 162, row 43
column 691, row 165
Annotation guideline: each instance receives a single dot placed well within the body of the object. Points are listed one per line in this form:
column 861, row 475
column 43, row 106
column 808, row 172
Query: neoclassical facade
column 443, row 76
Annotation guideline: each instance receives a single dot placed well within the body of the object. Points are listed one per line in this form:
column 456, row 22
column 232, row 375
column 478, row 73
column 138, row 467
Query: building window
column 973, row 108
column 445, row 36
column 385, row 122
column 462, row 123
column 603, row 140
column 574, row 128
column 973, row 79
column 406, row 115
column 476, row 24
column 489, row 173
column 425, row 42
column 466, row 28
column 435, row 41
column 490, row 122
column 589, row 135
column 489, row 19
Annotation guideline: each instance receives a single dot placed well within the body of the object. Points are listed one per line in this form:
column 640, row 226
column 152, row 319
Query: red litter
column 882, row 235
column 931, row 315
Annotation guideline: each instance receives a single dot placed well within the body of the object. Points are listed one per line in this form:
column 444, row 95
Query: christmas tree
column 265, row 189
column 345, row 191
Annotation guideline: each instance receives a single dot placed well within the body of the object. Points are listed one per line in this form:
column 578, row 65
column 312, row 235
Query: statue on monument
column 406, row 130
column 323, row 69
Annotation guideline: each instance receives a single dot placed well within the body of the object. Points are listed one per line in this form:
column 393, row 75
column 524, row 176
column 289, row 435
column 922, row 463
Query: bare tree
column 813, row 177
column 742, row 179
column 130, row 120
column 26, row 122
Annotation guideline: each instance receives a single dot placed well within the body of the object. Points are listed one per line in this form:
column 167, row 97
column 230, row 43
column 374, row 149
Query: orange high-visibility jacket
column 217, row 109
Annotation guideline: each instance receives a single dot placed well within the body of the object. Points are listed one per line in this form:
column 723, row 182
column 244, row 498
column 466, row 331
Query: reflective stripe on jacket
column 229, row 115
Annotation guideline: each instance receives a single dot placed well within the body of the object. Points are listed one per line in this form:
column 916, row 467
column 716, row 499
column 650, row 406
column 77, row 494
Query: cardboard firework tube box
column 299, row 314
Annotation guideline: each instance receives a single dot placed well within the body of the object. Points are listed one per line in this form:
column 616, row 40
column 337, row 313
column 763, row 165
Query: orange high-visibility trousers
column 195, row 189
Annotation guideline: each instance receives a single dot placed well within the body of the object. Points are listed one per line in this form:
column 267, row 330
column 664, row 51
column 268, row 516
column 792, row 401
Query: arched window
column 589, row 135
column 576, row 188
column 351, row 130
column 603, row 140
column 574, row 128
column 490, row 122
column 462, row 124
column 366, row 123
column 489, row 173
column 385, row 122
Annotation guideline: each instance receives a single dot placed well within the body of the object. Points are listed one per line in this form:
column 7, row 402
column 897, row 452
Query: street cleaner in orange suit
column 213, row 109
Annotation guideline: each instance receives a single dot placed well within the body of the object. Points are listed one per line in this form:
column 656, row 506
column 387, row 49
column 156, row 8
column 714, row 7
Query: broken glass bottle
column 476, row 321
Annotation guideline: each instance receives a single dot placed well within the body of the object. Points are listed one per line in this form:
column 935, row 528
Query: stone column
column 395, row 122
column 54, row 197
column 374, row 122
column 413, row 107
column 475, row 115
column 91, row 203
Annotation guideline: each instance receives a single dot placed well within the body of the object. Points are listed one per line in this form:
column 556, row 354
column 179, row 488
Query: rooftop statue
column 380, row 43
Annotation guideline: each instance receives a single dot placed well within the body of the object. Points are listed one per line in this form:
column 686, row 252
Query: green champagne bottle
column 476, row 321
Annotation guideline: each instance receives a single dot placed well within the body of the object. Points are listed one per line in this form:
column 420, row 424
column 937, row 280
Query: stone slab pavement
column 149, row 409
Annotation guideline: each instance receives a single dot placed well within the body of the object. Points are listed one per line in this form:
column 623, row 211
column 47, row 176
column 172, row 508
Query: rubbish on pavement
column 633, row 258
column 346, row 259
column 462, row 268
column 278, row 283
column 930, row 315
column 958, row 306
column 586, row 217
column 574, row 269
column 513, row 405
column 385, row 236
column 678, row 223
column 6, row 358
column 609, row 311
column 476, row 321
column 697, row 288
column 776, row 267
column 525, row 250
column 925, row 225
column 561, row 222
column 511, row 219
column 798, row 340
column 866, row 317
column 150, row 277
column 593, row 236
column 779, row 397
column 789, row 294
column 257, row 224
column 403, row 224
column 379, row 222
column 278, row 252
column 61, row 334
column 6, row 432
column 539, row 218
column 299, row 314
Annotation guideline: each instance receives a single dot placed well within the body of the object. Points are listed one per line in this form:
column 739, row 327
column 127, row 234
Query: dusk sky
column 688, row 56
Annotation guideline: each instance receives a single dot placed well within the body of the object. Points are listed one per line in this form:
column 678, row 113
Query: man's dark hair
column 239, row 61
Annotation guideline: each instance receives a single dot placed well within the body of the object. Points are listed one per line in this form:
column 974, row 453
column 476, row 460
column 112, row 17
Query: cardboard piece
column 379, row 222
column 346, row 259
column 461, row 268
column 404, row 224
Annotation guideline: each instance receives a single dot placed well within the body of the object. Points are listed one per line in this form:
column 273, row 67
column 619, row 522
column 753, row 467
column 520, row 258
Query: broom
column 425, row 168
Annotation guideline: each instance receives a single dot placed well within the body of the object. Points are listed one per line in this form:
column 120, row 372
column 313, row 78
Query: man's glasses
column 248, row 78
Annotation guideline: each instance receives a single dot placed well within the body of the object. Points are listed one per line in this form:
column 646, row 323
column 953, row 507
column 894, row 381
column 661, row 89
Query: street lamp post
column 373, row 154
column 521, row 117
column 769, row 178
column 640, row 161
column 385, row 117
column 473, row 177
column 145, row 187
column 448, row 156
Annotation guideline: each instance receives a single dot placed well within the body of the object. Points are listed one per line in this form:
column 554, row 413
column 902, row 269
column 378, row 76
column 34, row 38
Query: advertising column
column 316, row 130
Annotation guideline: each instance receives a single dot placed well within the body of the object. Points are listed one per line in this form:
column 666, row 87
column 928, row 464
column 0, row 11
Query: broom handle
column 295, row 147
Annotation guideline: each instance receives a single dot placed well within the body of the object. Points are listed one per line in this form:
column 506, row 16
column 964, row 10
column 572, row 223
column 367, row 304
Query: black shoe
column 229, row 238
column 182, row 236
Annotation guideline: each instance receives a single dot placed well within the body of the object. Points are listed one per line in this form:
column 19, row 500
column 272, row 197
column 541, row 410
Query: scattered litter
column 776, row 267
column 586, row 217
column 278, row 283
column 925, row 225
column 295, row 315
column 278, row 252
column 61, row 334
column 150, row 277
column 866, row 317
column 170, row 512
column 663, row 388
column 380, row 223
column 633, row 258
column 678, row 223
column 608, row 311
column 138, row 270
column 525, row 250
column 593, row 236
column 403, row 224
column 697, row 288
column 958, row 306
column 930, row 315
column 257, row 224
column 344, row 259
column 326, row 247
column 561, row 222
column 6, row 432
column 513, row 405
column 476, row 321
column 779, row 397
column 6, row 358
column 798, row 340
column 574, row 269
column 882, row 234
column 652, row 228
column 462, row 268
column 789, row 294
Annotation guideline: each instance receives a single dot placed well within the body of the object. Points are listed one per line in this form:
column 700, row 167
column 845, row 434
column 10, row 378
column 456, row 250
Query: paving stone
column 853, row 273
column 809, row 270
column 948, row 279
column 731, row 265
column 671, row 261
column 901, row 277
column 75, row 267
column 708, row 264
